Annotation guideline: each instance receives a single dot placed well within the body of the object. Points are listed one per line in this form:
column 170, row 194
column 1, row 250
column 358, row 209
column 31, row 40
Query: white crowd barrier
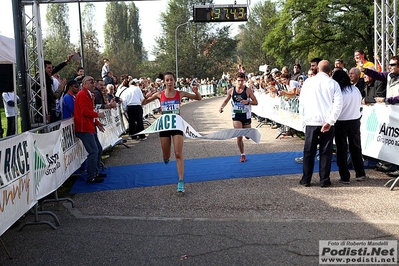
column 34, row 165
column 203, row 89
column 289, row 113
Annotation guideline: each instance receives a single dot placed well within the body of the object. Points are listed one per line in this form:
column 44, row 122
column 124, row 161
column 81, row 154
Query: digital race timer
column 220, row 13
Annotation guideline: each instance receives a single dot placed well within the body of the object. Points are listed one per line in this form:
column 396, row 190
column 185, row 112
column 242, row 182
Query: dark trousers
column 94, row 149
column 10, row 126
column 348, row 132
column 314, row 137
column 135, row 113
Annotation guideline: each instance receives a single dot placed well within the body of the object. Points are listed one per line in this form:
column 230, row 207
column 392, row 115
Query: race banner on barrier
column 17, row 187
column 113, row 128
column 288, row 112
column 56, row 156
column 176, row 122
column 380, row 132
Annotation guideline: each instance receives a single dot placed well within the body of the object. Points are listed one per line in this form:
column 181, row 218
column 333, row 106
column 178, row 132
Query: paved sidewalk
column 266, row 220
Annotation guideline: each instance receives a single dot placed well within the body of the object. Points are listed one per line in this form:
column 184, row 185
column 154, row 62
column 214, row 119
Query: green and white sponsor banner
column 56, row 156
column 17, row 188
column 285, row 111
column 380, row 132
column 175, row 122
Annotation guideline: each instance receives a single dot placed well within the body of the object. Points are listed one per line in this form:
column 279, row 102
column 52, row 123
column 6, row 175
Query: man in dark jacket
column 50, row 70
column 372, row 89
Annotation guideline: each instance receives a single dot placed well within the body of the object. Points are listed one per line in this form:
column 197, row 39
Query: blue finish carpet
column 196, row 170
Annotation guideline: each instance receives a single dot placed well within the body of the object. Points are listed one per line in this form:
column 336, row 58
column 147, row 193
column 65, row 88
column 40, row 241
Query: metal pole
column 20, row 58
column 177, row 65
column 81, row 38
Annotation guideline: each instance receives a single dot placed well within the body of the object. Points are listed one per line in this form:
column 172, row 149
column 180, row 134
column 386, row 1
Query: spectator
column 122, row 87
column 110, row 92
column 391, row 78
column 50, row 70
column 99, row 100
column 105, row 69
column 58, row 94
column 109, row 78
column 286, row 70
column 313, row 70
column 69, row 99
column 372, row 89
column 297, row 72
column 314, row 63
column 80, row 74
column 171, row 98
column 361, row 59
column 85, row 129
column 354, row 76
column 321, row 98
column 340, row 63
column 132, row 99
column 288, row 86
column 241, row 98
column 11, row 111
column 347, row 130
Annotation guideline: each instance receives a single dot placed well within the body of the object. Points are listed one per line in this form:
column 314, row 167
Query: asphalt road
column 266, row 220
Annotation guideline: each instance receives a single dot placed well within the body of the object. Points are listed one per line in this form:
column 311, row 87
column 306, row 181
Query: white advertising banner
column 72, row 150
column 113, row 128
column 47, row 158
column 17, row 188
column 285, row 111
column 380, row 132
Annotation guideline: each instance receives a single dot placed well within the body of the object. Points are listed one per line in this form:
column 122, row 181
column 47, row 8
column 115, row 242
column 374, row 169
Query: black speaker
column 6, row 78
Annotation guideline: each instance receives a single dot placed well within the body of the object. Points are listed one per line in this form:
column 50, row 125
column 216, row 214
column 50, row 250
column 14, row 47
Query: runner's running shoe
column 243, row 158
column 166, row 161
column 180, row 186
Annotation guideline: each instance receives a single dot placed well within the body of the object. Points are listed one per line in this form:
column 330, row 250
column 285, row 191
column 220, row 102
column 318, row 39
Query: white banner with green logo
column 380, row 132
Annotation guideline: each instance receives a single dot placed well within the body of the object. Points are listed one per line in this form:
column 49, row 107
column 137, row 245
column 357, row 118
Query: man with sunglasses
column 391, row 78
column 85, row 128
column 68, row 102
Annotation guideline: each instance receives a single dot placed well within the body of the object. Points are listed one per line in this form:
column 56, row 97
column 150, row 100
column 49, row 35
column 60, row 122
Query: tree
column 123, row 43
column 196, row 43
column 325, row 29
column 56, row 44
column 92, row 55
column 251, row 37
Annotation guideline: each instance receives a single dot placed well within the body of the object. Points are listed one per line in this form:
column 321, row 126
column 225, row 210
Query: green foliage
column 123, row 43
column 91, row 45
column 203, row 50
column 330, row 30
column 56, row 45
column 262, row 19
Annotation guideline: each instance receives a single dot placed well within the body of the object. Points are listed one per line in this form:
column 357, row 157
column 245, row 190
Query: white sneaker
column 362, row 178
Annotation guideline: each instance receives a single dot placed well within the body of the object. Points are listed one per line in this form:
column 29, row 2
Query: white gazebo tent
column 7, row 50
column 7, row 56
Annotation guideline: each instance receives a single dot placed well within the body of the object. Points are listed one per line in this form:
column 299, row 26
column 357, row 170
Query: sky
column 149, row 12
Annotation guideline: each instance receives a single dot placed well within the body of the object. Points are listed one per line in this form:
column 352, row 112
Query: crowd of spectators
column 374, row 87
column 285, row 83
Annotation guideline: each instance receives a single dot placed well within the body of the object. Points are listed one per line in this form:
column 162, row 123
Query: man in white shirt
column 132, row 98
column 321, row 98
column 10, row 107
